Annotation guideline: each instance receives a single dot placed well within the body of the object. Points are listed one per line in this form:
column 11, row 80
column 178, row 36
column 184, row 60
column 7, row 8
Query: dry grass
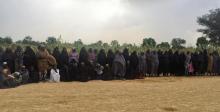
column 195, row 94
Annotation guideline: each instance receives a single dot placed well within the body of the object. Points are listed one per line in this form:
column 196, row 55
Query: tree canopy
column 178, row 43
column 149, row 42
column 164, row 45
column 202, row 42
column 211, row 26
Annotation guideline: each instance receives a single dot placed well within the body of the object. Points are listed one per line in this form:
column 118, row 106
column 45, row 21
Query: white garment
column 54, row 75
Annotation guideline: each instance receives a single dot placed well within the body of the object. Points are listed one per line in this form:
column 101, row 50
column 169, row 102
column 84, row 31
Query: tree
column 1, row 40
column 211, row 24
column 7, row 40
column 149, row 42
column 27, row 40
column 163, row 45
column 202, row 42
column 78, row 43
column 105, row 45
column 115, row 44
column 51, row 40
column 99, row 43
column 177, row 43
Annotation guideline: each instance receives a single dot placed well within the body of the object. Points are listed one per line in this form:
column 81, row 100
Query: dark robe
column 56, row 55
column 195, row 61
column 218, row 65
column 74, row 70
column 9, row 57
column 18, row 58
column 119, row 66
column 30, row 62
column 161, row 64
column 108, row 75
column 83, row 65
column 166, row 64
column 141, row 66
column 127, row 60
column 205, row 62
column 182, row 59
column 110, row 58
column 64, row 75
column 148, row 62
column 102, row 59
column 176, row 63
column 133, row 66
column 1, row 54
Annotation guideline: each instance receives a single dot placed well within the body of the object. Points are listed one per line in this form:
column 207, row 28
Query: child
column 190, row 68
column 25, row 75
column 54, row 74
column 99, row 71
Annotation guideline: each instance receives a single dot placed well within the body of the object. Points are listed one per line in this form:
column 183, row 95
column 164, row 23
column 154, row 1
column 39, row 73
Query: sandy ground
column 194, row 94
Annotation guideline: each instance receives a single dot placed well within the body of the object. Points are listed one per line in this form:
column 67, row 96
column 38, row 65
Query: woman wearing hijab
column 210, row 64
column 18, row 58
column 205, row 62
column 1, row 54
column 133, row 66
column 108, row 74
column 84, row 65
column 166, row 64
column 102, row 59
column 92, row 59
column 73, row 64
column 187, row 62
column 30, row 62
column 155, row 63
column 9, row 57
column 127, row 60
column 148, row 62
column 56, row 55
column 216, row 64
column 110, row 57
column 141, row 65
column 64, row 75
column 119, row 65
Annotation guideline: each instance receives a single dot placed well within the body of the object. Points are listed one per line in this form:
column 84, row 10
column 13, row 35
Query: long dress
column 119, row 66
column 210, row 64
column 142, row 66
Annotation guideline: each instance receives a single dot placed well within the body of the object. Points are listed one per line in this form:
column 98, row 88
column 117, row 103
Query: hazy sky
column 92, row 20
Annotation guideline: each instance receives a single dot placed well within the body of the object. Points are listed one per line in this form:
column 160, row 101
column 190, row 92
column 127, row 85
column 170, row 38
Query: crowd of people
column 26, row 66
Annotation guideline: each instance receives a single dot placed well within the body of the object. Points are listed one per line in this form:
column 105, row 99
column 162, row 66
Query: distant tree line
column 211, row 38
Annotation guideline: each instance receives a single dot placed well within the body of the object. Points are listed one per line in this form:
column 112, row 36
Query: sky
column 128, row 21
